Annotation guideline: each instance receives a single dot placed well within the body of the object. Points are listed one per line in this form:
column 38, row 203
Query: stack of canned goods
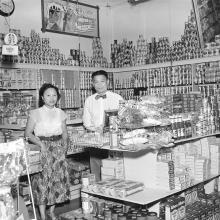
column 98, row 60
column 163, row 50
column 142, row 51
column 123, row 55
column 188, row 47
column 212, row 48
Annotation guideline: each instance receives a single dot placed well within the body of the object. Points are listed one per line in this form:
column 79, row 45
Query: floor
column 62, row 208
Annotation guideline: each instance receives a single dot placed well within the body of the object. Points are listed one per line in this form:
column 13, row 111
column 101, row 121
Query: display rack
column 113, row 70
column 149, row 195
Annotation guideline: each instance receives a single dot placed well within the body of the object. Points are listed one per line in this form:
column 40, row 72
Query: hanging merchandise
column 13, row 161
column 7, row 210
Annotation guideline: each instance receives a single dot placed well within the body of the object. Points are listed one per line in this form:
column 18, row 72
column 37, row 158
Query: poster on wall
column 70, row 17
column 207, row 14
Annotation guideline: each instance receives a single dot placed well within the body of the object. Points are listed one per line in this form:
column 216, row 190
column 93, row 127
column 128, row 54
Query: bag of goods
column 155, row 110
column 12, row 161
column 129, row 115
column 7, row 210
column 138, row 136
column 149, row 111
column 163, row 139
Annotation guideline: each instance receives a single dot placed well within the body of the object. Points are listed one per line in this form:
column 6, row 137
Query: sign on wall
column 208, row 19
column 70, row 17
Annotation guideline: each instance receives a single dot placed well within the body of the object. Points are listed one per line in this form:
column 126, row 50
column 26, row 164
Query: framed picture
column 207, row 14
column 70, row 17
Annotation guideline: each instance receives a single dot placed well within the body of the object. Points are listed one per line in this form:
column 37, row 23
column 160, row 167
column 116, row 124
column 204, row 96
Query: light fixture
column 134, row 2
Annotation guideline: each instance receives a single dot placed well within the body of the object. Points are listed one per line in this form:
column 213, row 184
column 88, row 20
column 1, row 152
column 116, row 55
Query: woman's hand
column 43, row 147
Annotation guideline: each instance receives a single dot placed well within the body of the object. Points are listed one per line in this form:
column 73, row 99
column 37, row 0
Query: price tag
column 10, row 50
column 21, row 217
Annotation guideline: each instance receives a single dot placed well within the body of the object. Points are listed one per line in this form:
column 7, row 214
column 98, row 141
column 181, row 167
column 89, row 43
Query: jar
column 152, row 216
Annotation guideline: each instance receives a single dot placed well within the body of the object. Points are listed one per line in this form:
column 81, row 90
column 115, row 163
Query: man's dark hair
column 101, row 73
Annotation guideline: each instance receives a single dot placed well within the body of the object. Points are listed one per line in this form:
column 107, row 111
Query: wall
column 27, row 16
column 152, row 18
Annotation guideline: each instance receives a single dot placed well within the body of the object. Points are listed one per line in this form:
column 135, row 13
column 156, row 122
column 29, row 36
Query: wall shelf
column 113, row 70
column 75, row 121
column 12, row 127
column 195, row 138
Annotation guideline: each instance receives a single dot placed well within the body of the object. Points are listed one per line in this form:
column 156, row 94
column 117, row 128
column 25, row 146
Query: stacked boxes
column 202, row 169
column 165, row 175
column 76, row 171
column 112, row 168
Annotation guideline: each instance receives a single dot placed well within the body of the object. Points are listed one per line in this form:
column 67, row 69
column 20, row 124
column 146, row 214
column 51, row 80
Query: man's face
column 100, row 84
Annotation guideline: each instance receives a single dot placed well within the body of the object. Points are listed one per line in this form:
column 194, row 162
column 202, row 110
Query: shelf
column 148, row 195
column 18, row 127
column 76, row 152
column 113, row 70
column 52, row 67
column 195, row 138
column 197, row 60
column 12, row 127
column 152, row 87
column 167, row 64
column 75, row 121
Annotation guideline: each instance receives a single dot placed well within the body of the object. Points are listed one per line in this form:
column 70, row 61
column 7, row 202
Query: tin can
column 107, row 214
column 121, row 216
column 151, row 216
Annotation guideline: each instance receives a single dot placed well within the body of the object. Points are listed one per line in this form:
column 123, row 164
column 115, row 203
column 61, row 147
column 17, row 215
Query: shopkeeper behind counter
column 93, row 115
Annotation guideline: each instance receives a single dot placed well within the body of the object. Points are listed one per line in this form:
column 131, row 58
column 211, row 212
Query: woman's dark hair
column 43, row 88
column 100, row 72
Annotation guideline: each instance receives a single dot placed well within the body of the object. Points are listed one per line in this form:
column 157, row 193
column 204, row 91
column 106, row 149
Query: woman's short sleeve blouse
column 48, row 122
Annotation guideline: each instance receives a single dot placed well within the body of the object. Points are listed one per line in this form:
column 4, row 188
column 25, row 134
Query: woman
column 46, row 127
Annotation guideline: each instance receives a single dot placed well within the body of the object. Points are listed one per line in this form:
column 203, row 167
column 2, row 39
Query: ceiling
column 105, row 3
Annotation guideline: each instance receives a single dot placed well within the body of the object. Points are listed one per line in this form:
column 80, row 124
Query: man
column 94, row 112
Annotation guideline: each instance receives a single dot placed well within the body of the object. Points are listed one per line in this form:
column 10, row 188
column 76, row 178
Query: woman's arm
column 30, row 136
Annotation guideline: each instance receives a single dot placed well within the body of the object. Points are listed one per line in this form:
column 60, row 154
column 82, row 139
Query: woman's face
column 50, row 97
column 100, row 84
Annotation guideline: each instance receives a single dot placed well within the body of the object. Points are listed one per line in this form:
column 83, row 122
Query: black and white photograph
column 109, row 109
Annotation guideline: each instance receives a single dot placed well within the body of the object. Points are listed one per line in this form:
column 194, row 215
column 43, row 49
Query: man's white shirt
column 93, row 114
